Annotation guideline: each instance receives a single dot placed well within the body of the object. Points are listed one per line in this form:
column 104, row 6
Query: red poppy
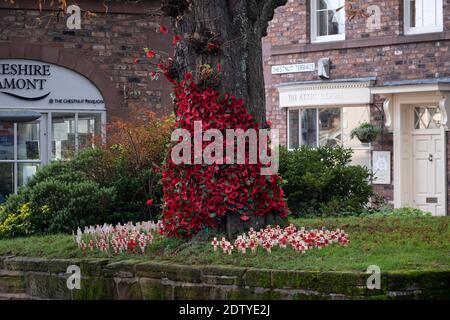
column 245, row 218
column 150, row 54
column 162, row 29
column 131, row 244
column 136, row 60
column 176, row 39
column 188, row 76
column 212, row 46
column 149, row 202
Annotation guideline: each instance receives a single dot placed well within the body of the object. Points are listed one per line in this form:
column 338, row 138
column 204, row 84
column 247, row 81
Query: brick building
column 74, row 79
column 326, row 74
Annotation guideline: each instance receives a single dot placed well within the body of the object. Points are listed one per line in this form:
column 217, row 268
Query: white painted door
column 429, row 173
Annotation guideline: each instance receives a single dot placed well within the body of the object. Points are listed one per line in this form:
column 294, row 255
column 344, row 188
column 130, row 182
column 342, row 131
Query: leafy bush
column 16, row 224
column 132, row 159
column 321, row 181
column 109, row 184
column 59, row 206
column 59, row 198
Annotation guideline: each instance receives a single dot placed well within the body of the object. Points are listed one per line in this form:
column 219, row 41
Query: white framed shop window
column 329, row 126
column 327, row 20
column 423, row 16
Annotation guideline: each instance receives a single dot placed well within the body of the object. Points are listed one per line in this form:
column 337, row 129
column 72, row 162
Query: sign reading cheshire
column 38, row 85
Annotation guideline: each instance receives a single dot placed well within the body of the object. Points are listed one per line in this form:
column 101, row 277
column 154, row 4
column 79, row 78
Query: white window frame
column 420, row 30
column 318, row 39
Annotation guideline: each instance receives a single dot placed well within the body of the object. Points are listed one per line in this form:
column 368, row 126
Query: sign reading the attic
column 294, row 68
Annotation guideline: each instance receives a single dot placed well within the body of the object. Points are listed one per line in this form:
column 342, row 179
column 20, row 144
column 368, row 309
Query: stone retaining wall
column 30, row 278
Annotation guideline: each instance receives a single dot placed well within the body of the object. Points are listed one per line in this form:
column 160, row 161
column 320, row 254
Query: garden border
column 36, row 278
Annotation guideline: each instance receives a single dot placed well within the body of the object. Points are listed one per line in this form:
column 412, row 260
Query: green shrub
column 16, row 224
column 59, row 206
column 321, row 181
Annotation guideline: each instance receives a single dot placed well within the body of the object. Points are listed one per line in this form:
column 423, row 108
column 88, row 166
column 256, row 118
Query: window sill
column 321, row 40
column 415, row 32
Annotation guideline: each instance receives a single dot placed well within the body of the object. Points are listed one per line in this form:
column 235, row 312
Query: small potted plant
column 366, row 132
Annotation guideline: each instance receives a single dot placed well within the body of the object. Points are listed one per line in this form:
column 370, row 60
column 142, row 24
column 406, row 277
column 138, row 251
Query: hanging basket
column 366, row 133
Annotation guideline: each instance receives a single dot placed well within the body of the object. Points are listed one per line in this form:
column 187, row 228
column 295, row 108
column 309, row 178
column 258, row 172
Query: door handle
column 430, row 158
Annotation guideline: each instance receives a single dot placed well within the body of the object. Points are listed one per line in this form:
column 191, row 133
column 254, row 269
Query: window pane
column 6, row 141
column 427, row 118
column 89, row 129
column 425, row 14
column 429, row 14
column 63, row 136
column 322, row 23
column 6, row 180
column 28, row 141
column 330, row 21
column 322, row 4
column 334, row 23
column 330, row 133
column 293, row 129
column 309, row 127
column 412, row 13
column 26, row 172
column 353, row 117
column 329, row 4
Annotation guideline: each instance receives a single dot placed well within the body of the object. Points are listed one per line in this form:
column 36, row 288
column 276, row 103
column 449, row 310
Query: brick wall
column 110, row 41
column 33, row 278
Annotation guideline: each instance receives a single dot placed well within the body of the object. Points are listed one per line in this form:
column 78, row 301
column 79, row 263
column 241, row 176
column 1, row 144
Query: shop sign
column 40, row 85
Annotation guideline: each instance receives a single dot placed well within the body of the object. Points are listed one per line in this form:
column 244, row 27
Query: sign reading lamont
column 38, row 85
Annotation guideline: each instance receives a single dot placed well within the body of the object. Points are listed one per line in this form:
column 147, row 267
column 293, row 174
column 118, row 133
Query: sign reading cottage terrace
column 39, row 85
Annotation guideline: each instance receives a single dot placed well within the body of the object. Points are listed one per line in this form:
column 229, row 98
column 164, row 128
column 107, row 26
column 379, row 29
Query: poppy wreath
column 199, row 196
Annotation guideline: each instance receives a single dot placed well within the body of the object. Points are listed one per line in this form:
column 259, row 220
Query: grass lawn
column 392, row 243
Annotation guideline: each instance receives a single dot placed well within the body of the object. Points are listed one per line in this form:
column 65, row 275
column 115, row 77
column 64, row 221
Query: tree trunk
column 237, row 27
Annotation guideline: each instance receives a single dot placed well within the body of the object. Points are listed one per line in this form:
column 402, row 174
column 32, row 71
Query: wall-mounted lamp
column 323, row 68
